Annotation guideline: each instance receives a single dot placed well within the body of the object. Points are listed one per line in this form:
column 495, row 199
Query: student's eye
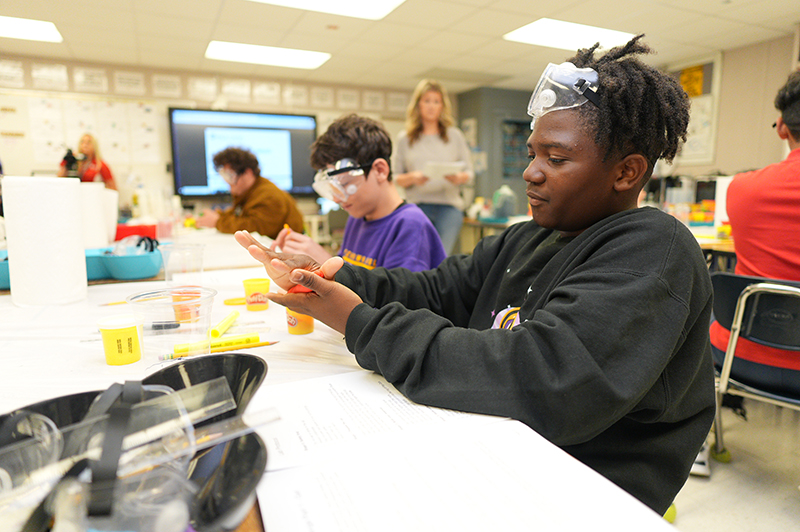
column 556, row 160
column 531, row 156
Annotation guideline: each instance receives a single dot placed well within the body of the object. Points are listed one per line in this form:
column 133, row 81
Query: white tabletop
column 221, row 249
column 368, row 459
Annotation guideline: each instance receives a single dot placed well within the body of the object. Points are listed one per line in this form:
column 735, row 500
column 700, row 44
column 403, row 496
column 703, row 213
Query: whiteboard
column 133, row 135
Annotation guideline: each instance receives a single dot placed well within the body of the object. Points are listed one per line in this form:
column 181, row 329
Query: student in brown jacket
column 258, row 205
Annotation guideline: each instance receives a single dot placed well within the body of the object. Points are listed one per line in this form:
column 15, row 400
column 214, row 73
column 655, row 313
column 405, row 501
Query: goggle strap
column 582, row 87
column 338, row 171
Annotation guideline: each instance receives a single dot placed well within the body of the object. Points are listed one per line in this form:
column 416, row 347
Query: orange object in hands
column 300, row 289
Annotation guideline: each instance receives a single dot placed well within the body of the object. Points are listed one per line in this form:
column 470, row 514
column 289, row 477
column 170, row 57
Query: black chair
column 761, row 310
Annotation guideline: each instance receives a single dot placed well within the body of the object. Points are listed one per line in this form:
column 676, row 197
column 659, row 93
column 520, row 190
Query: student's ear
column 631, row 170
column 381, row 167
column 781, row 128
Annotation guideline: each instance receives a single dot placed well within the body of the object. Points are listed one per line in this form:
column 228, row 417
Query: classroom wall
column 38, row 125
column 751, row 76
column 492, row 109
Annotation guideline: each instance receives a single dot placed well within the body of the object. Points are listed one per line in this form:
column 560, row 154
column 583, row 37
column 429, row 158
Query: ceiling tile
column 746, row 35
column 507, row 50
column 169, row 46
column 488, row 22
column 202, row 9
column 419, row 36
column 106, row 54
column 398, row 34
column 246, row 35
column 226, row 67
column 315, row 42
column 454, row 42
column 325, row 23
column 45, row 50
column 172, row 26
column 155, row 57
column 430, row 14
column 245, row 13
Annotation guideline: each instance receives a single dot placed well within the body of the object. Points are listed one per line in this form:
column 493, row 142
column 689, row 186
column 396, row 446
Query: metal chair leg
column 718, row 451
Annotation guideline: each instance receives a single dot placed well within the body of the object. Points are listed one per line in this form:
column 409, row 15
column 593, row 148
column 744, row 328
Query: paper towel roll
column 111, row 208
column 93, row 213
column 46, row 259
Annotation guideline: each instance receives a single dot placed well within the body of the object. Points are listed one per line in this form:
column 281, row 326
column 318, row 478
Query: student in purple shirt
column 352, row 158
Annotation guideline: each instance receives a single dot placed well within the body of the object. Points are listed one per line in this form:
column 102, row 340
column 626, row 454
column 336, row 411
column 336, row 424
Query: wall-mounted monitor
column 280, row 143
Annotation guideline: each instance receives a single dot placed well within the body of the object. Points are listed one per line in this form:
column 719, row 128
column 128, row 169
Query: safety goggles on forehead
column 563, row 86
column 341, row 180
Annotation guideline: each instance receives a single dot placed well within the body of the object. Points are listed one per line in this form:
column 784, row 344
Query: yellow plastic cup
column 299, row 323
column 122, row 339
column 256, row 291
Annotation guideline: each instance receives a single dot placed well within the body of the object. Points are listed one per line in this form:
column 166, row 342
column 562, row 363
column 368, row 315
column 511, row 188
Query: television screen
column 279, row 142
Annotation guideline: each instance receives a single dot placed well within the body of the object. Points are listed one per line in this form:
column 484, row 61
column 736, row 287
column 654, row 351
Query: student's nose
column 532, row 173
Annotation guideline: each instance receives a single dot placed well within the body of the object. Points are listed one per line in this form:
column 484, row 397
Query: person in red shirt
column 764, row 211
column 92, row 166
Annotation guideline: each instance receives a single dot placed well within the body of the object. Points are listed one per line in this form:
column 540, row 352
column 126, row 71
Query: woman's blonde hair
column 413, row 119
column 95, row 146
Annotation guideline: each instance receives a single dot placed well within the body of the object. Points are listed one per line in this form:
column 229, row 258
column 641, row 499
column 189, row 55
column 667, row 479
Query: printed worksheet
column 498, row 476
column 328, row 414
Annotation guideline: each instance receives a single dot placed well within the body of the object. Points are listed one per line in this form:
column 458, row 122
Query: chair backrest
column 771, row 319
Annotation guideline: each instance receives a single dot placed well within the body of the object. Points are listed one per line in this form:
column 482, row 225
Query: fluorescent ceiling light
column 265, row 55
column 566, row 35
column 30, row 30
column 368, row 9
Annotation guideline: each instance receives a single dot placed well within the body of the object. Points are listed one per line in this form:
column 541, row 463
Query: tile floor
column 758, row 489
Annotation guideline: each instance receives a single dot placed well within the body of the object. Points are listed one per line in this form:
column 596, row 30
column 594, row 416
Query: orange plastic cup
column 189, row 312
column 299, row 323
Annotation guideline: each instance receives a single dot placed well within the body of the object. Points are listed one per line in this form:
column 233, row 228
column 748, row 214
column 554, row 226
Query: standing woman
column 430, row 137
column 92, row 165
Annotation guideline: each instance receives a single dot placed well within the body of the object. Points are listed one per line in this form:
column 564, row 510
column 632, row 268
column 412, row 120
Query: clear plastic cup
column 183, row 263
column 176, row 321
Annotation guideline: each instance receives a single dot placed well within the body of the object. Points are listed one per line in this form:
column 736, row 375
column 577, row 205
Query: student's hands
column 294, row 243
column 410, row 179
column 329, row 302
column 458, row 178
column 207, row 219
column 278, row 265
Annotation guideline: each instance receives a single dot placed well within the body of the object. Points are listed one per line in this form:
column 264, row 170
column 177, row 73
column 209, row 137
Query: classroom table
column 720, row 253
column 472, row 230
column 378, row 461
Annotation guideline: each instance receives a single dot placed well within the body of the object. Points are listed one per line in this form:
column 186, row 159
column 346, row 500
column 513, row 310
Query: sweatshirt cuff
column 356, row 323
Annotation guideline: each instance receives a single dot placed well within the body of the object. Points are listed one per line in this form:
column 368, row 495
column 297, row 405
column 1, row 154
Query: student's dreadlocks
column 642, row 109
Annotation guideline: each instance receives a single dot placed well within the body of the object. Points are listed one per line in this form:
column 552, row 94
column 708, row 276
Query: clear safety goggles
column 563, row 86
column 228, row 175
column 341, row 180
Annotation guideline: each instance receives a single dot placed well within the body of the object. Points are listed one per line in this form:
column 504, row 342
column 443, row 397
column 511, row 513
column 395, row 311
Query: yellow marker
column 113, row 303
column 215, row 350
column 230, row 341
column 286, row 226
column 220, row 328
